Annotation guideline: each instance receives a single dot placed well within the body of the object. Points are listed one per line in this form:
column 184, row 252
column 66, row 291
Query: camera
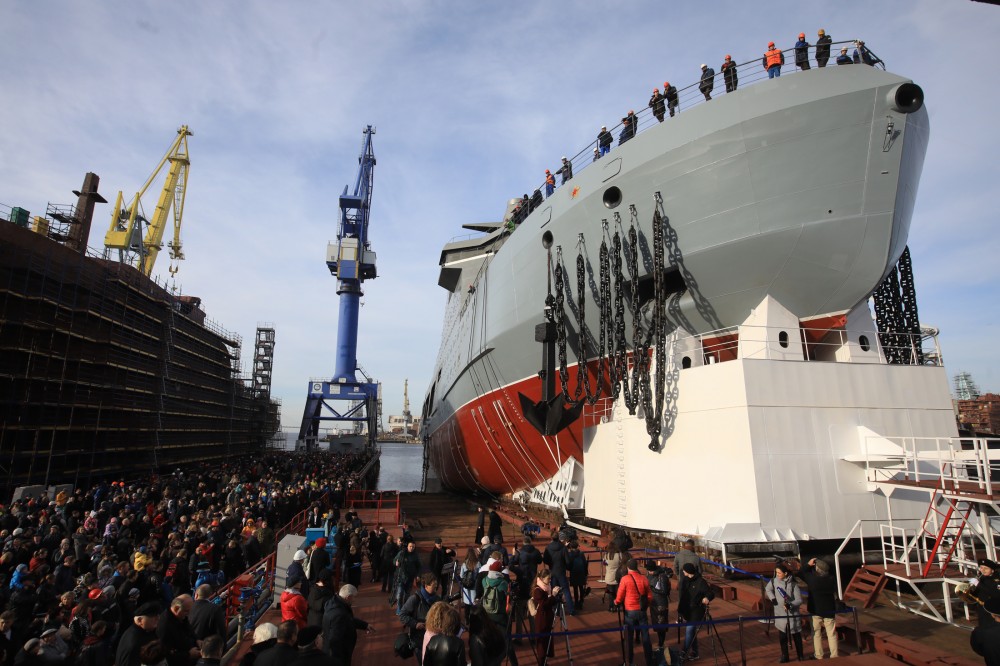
column 453, row 598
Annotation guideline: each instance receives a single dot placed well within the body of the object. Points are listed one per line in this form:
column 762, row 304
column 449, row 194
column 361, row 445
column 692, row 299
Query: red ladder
column 952, row 524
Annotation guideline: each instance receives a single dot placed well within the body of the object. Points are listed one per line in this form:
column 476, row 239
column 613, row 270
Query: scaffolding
column 104, row 372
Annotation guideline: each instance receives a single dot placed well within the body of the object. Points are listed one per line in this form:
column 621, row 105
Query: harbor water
column 401, row 467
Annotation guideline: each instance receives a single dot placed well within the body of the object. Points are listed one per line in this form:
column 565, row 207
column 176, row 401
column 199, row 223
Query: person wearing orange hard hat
column 773, row 60
column 550, row 183
column 729, row 74
column 670, row 93
column 802, row 52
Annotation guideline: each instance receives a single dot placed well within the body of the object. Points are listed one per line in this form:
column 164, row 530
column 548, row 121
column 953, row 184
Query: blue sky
column 471, row 101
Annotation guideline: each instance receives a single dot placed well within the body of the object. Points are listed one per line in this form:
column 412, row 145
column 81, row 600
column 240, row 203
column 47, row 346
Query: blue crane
column 352, row 261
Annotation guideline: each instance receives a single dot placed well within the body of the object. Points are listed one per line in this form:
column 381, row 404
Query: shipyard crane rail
column 351, row 260
column 139, row 239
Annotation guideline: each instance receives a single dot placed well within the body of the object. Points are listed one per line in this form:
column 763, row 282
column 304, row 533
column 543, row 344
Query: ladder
column 865, row 586
column 944, row 525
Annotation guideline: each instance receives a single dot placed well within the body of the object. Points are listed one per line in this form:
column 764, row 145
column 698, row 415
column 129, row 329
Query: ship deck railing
column 749, row 73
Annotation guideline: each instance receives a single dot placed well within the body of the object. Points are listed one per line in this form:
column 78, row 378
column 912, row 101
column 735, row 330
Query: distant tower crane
column 352, row 261
column 407, row 416
column 139, row 239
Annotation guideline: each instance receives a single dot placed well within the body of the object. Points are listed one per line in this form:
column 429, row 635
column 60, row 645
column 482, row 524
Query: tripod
column 561, row 614
column 713, row 635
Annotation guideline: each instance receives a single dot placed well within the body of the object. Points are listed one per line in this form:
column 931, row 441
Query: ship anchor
column 549, row 415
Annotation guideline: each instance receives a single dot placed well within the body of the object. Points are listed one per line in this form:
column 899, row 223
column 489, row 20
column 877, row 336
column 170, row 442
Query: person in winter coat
column 487, row 645
column 822, row 605
column 659, row 610
column 284, row 651
column 319, row 560
column 557, row 560
column 566, row 171
column 442, row 646
column 320, row 592
column 528, row 558
column 578, row 569
column 658, row 105
column 786, row 596
column 293, row 605
column 340, row 627
column 310, row 654
column 822, row 48
column 707, row 81
column 406, row 567
column 612, row 561
column 694, row 601
column 630, row 125
column 480, row 524
column 413, row 612
column 352, row 566
column 670, row 93
column 544, row 599
column 389, row 552
column 802, row 52
column 604, row 140
column 843, row 58
column 441, row 556
column 496, row 523
column 729, row 74
column 634, row 596
column 297, row 570
column 772, row 61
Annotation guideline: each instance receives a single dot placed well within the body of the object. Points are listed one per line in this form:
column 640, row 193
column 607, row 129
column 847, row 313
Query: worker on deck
column 604, row 140
column 670, row 92
column 729, row 74
column 658, row 105
column 802, row 52
column 707, row 81
column 822, row 48
column 843, row 58
column 550, row 183
column 773, row 60
column 566, row 170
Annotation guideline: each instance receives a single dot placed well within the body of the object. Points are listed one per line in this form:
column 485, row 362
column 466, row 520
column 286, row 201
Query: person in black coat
column 310, row 654
column 142, row 631
column 496, row 526
column 694, row 600
column 441, row 556
column 176, row 634
column 340, row 627
column 557, row 559
column 319, row 595
column 823, row 48
column 206, row 618
column 480, row 524
column 707, row 81
column 657, row 104
column 673, row 102
column 729, row 74
column 822, row 604
column 604, row 141
column 319, row 560
column 389, row 552
column 284, row 651
column 985, row 638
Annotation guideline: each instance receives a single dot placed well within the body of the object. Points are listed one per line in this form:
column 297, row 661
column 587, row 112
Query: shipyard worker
column 822, row 605
column 786, row 597
column 670, row 92
column 658, row 105
column 694, row 600
column 635, row 596
column 550, row 183
column 802, row 52
column 175, row 633
column 822, row 48
column 604, row 140
column 843, row 58
column 629, row 125
column 597, row 154
column 142, row 631
column 707, row 81
column 729, row 74
column 862, row 56
column 566, row 170
column 536, row 199
column 773, row 60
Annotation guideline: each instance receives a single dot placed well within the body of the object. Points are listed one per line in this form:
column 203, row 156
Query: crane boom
column 139, row 247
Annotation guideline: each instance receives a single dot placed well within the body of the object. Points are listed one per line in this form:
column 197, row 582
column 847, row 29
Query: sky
column 471, row 101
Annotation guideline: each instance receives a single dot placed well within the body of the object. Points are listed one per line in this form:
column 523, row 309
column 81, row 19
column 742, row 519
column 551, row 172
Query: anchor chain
column 896, row 314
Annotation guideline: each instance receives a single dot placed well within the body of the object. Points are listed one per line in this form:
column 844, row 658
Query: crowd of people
column 668, row 100
column 125, row 572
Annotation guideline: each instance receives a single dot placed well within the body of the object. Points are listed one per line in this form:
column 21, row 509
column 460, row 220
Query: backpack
column 469, row 579
column 495, row 598
column 661, row 584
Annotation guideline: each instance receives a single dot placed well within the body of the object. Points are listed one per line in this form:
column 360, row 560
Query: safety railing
column 957, row 465
column 749, row 73
column 376, row 507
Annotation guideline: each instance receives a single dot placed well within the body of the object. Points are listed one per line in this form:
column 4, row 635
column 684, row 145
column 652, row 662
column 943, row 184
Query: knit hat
column 496, row 565
column 689, row 569
column 321, row 543
column 299, row 555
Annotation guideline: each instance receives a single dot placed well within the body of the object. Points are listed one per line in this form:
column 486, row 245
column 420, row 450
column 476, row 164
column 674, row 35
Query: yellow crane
column 137, row 246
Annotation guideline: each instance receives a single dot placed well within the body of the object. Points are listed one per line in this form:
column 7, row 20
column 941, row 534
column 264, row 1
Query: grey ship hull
column 801, row 188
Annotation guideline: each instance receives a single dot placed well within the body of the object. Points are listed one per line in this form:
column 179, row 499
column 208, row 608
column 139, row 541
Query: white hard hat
column 299, row 555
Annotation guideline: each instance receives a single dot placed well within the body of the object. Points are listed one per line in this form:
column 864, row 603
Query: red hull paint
column 487, row 444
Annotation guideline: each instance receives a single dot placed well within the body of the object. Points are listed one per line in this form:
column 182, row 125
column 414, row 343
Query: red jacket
column 631, row 589
column 294, row 607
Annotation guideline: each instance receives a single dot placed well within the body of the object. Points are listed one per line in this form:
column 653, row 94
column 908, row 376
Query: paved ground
column 595, row 636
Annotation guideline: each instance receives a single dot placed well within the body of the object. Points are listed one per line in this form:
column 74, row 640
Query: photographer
column 822, row 604
column 786, row 596
column 544, row 599
column 695, row 598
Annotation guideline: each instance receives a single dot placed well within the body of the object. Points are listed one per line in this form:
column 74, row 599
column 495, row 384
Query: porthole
column 612, row 197
column 866, row 345
column 686, row 362
column 783, row 339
